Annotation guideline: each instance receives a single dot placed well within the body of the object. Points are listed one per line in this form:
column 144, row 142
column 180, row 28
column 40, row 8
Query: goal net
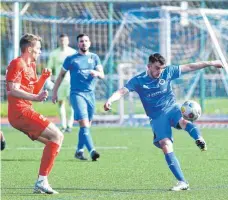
column 124, row 36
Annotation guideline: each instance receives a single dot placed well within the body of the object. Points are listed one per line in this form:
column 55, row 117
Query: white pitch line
column 67, row 148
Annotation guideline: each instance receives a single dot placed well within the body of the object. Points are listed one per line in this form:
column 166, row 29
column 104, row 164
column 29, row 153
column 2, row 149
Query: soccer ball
column 191, row 110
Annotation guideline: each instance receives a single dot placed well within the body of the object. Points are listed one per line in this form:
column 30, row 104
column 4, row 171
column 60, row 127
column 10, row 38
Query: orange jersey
column 19, row 72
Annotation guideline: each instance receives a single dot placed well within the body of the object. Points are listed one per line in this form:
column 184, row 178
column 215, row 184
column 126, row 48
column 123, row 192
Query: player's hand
column 42, row 96
column 46, row 73
column 94, row 73
column 54, row 97
column 216, row 63
column 107, row 106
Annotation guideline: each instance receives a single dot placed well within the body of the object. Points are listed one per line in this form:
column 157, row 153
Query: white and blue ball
column 191, row 110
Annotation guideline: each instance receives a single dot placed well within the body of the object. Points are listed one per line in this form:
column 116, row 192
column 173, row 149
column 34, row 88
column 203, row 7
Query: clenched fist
column 46, row 73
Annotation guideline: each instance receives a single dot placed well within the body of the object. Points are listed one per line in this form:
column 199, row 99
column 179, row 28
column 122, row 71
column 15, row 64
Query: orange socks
column 47, row 160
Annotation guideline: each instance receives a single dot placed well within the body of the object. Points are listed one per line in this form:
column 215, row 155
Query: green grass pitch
column 130, row 168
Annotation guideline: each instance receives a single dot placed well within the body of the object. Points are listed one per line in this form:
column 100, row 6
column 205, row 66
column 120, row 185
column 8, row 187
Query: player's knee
column 84, row 123
column 182, row 123
column 59, row 137
column 56, row 135
column 166, row 145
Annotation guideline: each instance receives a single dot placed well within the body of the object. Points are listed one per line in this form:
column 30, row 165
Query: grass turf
column 130, row 168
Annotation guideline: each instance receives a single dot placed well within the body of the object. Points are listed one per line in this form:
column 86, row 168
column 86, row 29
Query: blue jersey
column 155, row 94
column 79, row 66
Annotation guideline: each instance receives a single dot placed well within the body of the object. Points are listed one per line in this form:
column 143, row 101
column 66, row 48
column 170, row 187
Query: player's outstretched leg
column 201, row 144
column 195, row 134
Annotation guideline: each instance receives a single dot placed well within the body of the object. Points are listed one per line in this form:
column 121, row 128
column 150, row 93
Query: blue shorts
column 83, row 104
column 161, row 126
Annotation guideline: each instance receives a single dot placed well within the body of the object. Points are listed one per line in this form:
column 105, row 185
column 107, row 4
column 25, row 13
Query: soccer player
column 3, row 141
column 23, row 87
column 84, row 68
column 55, row 63
column 155, row 92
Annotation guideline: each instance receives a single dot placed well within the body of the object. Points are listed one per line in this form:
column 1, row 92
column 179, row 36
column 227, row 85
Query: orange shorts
column 31, row 123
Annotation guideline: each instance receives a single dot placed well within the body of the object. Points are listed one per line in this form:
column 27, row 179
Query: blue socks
column 174, row 166
column 84, row 138
column 193, row 131
column 81, row 140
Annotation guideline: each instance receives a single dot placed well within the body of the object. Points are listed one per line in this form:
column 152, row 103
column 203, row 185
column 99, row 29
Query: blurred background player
column 3, row 141
column 155, row 92
column 23, row 87
column 55, row 63
column 84, row 68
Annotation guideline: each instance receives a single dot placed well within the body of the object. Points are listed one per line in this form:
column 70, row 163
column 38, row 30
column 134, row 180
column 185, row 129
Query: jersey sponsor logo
column 85, row 71
column 157, row 93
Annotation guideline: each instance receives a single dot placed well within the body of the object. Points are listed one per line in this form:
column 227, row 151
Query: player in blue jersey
column 84, row 67
column 155, row 92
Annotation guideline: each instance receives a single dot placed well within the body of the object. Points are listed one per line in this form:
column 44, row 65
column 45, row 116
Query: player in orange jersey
column 23, row 87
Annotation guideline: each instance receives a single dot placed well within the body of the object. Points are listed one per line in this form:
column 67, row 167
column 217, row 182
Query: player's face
column 156, row 69
column 84, row 43
column 64, row 42
column 35, row 51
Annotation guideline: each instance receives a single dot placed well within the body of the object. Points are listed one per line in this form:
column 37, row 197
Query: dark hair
column 28, row 40
column 156, row 57
column 63, row 35
column 81, row 35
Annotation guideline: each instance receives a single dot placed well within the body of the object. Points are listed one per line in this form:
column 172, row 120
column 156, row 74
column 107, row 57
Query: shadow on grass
column 75, row 190
column 38, row 160
column 21, row 160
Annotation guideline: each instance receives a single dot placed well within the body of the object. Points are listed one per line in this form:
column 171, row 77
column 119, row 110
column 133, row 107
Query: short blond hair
column 28, row 40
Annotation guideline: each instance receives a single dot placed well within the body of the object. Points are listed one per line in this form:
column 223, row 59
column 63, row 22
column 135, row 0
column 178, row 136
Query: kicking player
column 23, row 87
column 55, row 63
column 84, row 68
column 155, row 92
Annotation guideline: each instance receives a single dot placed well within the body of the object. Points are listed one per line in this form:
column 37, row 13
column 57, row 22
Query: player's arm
column 115, row 97
column 200, row 65
column 50, row 63
column 99, row 72
column 14, row 90
column 57, row 84
column 46, row 73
